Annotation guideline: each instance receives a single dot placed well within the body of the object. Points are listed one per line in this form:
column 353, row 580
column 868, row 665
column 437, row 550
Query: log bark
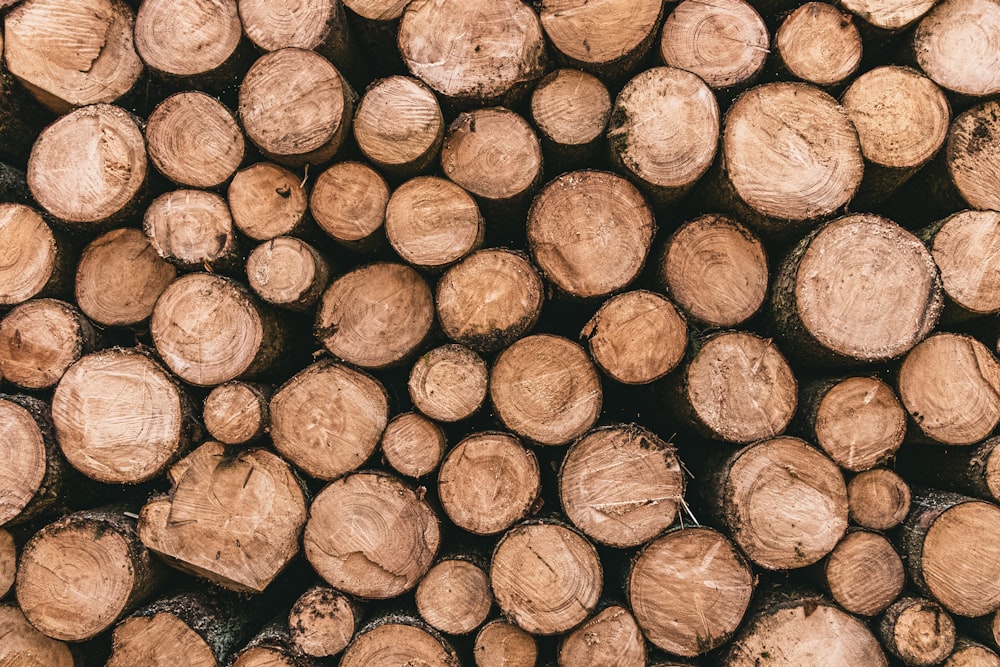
column 611, row 638
column 322, row 621
column 267, row 201
column 973, row 471
column 288, row 272
column 448, row 384
column 944, row 52
column 571, row 109
column 317, row 25
column 878, row 499
column 192, row 229
column 972, row 154
column 398, row 640
column 25, row 646
column 819, row 44
column 966, row 248
column 236, row 412
column 863, row 574
column 454, row 596
column 348, row 202
column 40, row 339
column 273, row 647
column 917, row 631
column 8, row 562
column 34, row 261
column 413, row 445
column 502, row 644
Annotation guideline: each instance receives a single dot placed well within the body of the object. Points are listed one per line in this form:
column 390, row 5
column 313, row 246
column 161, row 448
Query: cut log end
column 570, row 107
column 23, row 454
column 454, row 596
column 396, row 643
column 891, row 15
column 860, row 423
column 236, row 412
column 25, row 646
column 348, row 202
column 40, row 339
column 966, row 249
column 943, row 51
column 322, row 622
column 502, row 644
column 28, row 259
column 187, row 39
column 448, row 383
column 611, row 636
column 267, row 201
column 190, row 228
column 288, row 272
column 413, row 444
column 918, row 631
column 160, row 640
column 819, row 44
column 878, row 499
column 864, row 573
column 399, row 125
column 972, row 153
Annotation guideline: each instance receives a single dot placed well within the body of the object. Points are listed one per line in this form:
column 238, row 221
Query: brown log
column 610, row 638
column 288, row 272
column 968, row 653
column 397, row 641
column 816, row 306
column 318, row 25
column 33, row 260
column 399, row 126
column 973, row 152
column 819, row 44
column 448, row 384
column 25, row 646
column 192, row 229
column 267, row 201
column 119, row 278
column 546, row 577
column 273, row 647
column 120, row 418
column 375, row 316
column 348, row 203
column 888, row 16
column 371, row 535
column 40, row 339
column 945, row 51
column 111, row 570
column 327, row 419
column 72, row 55
column 917, row 631
column 725, row 43
column 965, row 247
column 454, row 596
column 194, row 140
column 546, row 389
column 311, row 130
column 571, row 109
column 621, row 485
column 750, row 492
column 211, row 525
column 878, row 499
column 636, row 337
column 863, row 573
column 322, row 621
column 413, row 444
column 484, row 324
column 502, row 644
column 431, row 222
column 8, row 562
column 973, row 471
column 488, row 482
column 89, row 166
column 589, row 232
column 236, row 412
column 689, row 590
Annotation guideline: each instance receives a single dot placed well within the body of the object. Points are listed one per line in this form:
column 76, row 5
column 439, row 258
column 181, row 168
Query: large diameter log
column 966, row 248
column 502, row 644
column 448, row 384
column 267, row 201
column 288, row 272
column 589, row 232
column 546, row 577
column 507, row 53
column 371, row 535
column 413, row 445
column 192, row 229
column 322, row 621
column 610, row 638
column 571, row 109
column 972, row 155
column 318, row 25
column 234, row 520
column 863, row 574
column 956, row 45
column 952, row 548
column 878, row 499
column 816, row 302
column 454, row 596
column 70, row 55
column 110, row 569
column 399, row 641
column 917, row 631
column 25, row 646
column 348, row 202
column 33, row 261
column 40, row 339
column 973, row 471
column 819, row 44
column 689, row 590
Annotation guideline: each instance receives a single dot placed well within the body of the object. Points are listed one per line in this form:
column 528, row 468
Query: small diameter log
column 889, row 16
column 89, row 166
column 949, row 385
column 192, row 229
column 589, row 232
column 973, row 471
column 33, row 261
column 863, row 573
column 636, row 337
column 792, row 629
column 819, row 44
column 236, row 412
column 858, row 421
column 288, row 272
column 211, row 523
column 348, row 203
column 454, row 596
column 571, row 109
column 24, row 646
column 489, row 482
column 328, row 418
column 968, row 653
column 398, row 641
column 878, row 499
column 580, row 35
column 311, row 130
column 956, row 45
column 494, row 154
column 951, row 545
column 515, row 290
column 689, row 590
column 546, row 577
column 273, row 647
column 267, row 201
column 815, row 300
column 375, row 316
column 966, row 248
column 790, row 156
column 902, row 119
column 431, row 222
column 399, row 126
column 738, row 387
column 40, row 339
column 208, row 330
column 33, row 477
column 502, row 644
column 8, row 562
column 917, row 631
column 610, row 638
column 119, row 278
column 120, row 418
column 110, row 570
column 715, row 269
column 448, row 383
column 506, row 56
column 664, row 132
column 194, row 140
column 318, row 25
column 751, row 493
column 72, row 55
column 621, row 485
column 545, row 388
column 413, row 444
column 371, row 535
column 973, row 155
column 322, row 621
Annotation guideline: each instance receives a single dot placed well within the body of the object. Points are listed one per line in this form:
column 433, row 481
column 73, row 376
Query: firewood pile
column 378, row 333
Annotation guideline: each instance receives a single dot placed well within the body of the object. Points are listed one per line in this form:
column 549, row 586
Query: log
column 8, row 562
column 546, row 389
column 888, row 16
column 328, row 418
column 34, row 260
column 288, row 272
column 40, row 339
column 273, row 647
column 448, row 384
column 317, row 25
column 863, row 574
column 819, row 44
column 413, row 445
column 322, row 621
column 503, row 644
column 917, row 631
column 571, row 109
column 488, row 482
column 211, row 523
column 968, row 653
column 972, row 471
column 589, row 232
column 397, row 640
column 965, row 246
column 236, row 412
column 610, row 637
column 348, row 203
column 689, row 590
column 878, row 499
column 267, row 201
column 192, row 229
column 454, row 596
column 944, row 51
column 25, row 646
column 621, row 485
column 972, row 153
